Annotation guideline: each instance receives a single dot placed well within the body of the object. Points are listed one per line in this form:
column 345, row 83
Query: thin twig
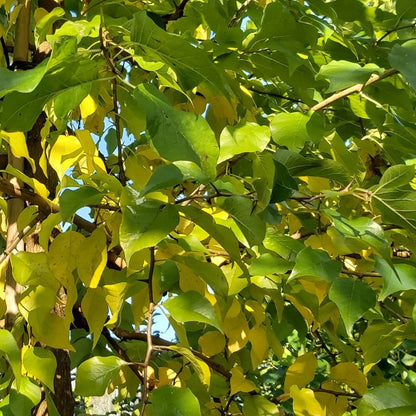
column 325, row 347
column 276, row 95
column 149, row 338
column 159, row 343
column 401, row 318
column 19, row 237
column 239, row 13
column 354, row 89
column 395, row 29
column 360, row 274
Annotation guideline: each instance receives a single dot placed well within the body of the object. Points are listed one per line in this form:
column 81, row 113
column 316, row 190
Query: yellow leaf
column 256, row 310
column 274, row 343
column 350, row 374
column 37, row 186
column 39, row 13
column 212, row 343
column 63, row 255
column 18, row 146
column 140, row 305
column 95, row 311
column 167, row 376
column 301, row 372
column 239, row 383
column 93, row 162
column 201, row 368
column 88, row 106
column 317, row 287
column 188, row 280
column 334, row 405
column 259, row 345
column 64, row 154
column 305, row 403
column 93, row 258
column 236, row 328
column 115, row 295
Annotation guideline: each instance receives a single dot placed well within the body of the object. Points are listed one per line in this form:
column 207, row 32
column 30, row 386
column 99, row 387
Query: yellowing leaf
column 87, row 106
column 301, row 372
column 93, row 162
column 65, row 153
column 93, row 258
column 236, row 328
column 212, row 343
column 349, row 373
column 334, row 405
column 305, row 403
column 200, row 367
column 18, row 146
column 259, row 345
column 37, row 186
column 95, row 310
column 239, row 383
column 63, row 255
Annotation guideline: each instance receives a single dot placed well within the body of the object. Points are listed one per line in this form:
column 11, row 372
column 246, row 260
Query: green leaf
column 45, row 24
column 268, row 263
column 174, row 401
column 353, row 298
column 284, row 185
column 259, row 406
column 401, row 58
column 176, row 134
column 293, row 130
column 32, row 269
column 240, row 209
column 200, row 367
column 21, row 81
column 396, row 277
column 363, row 229
column 388, row 399
column 95, row 374
column 209, row 272
column 24, row 398
column 191, row 64
column 316, row 264
column 192, row 306
column 222, row 234
column 344, row 74
column 394, row 198
column 298, row 165
column 40, row 363
column 243, row 138
column 10, row 350
column 71, row 201
column 20, row 110
column 146, row 224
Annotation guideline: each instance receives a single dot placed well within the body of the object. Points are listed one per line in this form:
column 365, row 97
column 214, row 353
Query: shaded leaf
column 174, row 401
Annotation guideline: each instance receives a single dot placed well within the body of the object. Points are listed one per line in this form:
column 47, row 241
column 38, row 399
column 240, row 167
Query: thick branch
column 355, row 88
column 121, row 333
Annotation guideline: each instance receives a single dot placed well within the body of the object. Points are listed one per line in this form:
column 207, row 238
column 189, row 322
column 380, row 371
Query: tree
column 245, row 169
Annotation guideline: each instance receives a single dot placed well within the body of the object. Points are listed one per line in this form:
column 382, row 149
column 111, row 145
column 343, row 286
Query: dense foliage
column 245, row 169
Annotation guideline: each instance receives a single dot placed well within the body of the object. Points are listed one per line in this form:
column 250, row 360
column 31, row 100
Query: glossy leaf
column 175, row 134
column 41, row 364
column 353, row 297
column 95, row 374
column 172, row 401
column 191, row 306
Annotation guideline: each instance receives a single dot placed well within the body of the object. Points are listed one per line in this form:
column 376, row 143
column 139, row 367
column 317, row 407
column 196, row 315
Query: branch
column 395, row 29
column 360, row 274
column 160, row 342
column 276, row 95
column 355, row 88
column 110, row 62
column 177, row 14
column 149, row 338
column 239, row 13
